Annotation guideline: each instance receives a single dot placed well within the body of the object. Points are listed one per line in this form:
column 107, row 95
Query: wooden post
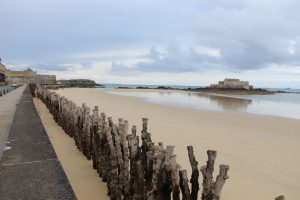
column 207, row 172
column 119, row 156
column 149, row 165
column 280, row 198
column 175, row 178
column 95, row 140
column 112, row 177
column 103, row 148
column 139, row 182
column 167, row 170
column 220, row 181
column 195, row 173
column 157, row 179
column 184, row 185
column 133, row 130
column 124, row 174
column 135, row 154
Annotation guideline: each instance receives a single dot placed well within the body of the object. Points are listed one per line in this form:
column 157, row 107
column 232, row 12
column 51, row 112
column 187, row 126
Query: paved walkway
column 29, row 168
column 8, row 104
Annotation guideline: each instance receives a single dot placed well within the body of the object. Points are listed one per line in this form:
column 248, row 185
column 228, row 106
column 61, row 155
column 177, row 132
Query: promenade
column 7, row 109
column 5, row 89
column 29, row 168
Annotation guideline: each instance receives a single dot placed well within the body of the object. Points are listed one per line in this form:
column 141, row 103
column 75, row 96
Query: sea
column 112, row 85
column 278, row 104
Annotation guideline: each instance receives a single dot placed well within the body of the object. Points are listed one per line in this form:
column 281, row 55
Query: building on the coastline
column 2, row 66
column 28, row 76
column 24, row 76
column 2, row 73
column 232, row 83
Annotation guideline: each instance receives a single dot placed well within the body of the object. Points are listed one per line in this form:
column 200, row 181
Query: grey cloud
column 53, row 66
column 255, row 35
column 250, row 34
column 49, row 67
column 174, row 60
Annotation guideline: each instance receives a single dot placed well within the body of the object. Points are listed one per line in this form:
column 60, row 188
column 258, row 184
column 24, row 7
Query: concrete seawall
column 29, row 168
column 8, row 105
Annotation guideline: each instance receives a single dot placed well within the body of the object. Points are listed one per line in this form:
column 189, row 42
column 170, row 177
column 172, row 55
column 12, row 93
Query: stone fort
column 232, row 83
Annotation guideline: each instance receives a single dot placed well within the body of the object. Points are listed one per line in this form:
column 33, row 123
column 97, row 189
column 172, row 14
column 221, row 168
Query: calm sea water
column 111, row 85
column 281, row 104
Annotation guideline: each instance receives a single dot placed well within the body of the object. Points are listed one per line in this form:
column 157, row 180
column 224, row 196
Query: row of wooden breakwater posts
column 131, row 170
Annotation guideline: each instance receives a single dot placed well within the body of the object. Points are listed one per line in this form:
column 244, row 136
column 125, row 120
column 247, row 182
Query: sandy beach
column 262, row 151
column 84, row 180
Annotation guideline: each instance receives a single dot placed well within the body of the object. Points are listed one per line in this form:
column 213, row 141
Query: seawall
column 29, row 168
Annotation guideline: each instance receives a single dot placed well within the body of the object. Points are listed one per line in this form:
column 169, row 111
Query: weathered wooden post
column 95, row 137
column 220, row 181
column 139, row 182
column 195, row 173
column 280, row 198
column 124, row 168
column 158, row 173
column 135, row 154
column 167, row 170
column 175, row 178
column 86, row 142
column 207, row 172
column 184, row 185
column 112, row 177
column 104, row 155
column 147, row 153
column 211, row 189
column 119, row 156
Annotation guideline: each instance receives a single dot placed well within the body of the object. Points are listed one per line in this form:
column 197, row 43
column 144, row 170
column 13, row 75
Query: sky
column 174, row 42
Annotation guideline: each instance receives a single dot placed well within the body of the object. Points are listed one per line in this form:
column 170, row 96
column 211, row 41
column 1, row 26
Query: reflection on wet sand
column 216, row 102
column 227, row 103
column 194, row 99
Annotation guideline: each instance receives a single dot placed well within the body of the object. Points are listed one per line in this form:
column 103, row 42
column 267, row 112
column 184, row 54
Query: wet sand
column 262, row 151
column 84, row 180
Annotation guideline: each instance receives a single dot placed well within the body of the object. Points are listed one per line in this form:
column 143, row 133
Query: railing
column 5, row 90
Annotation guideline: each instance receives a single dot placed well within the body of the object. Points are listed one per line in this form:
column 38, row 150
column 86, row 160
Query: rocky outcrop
column 77, row 83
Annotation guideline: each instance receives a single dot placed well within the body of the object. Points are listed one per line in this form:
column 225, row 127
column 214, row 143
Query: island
column 233, row 86
column 227, row 86
column 77, row 83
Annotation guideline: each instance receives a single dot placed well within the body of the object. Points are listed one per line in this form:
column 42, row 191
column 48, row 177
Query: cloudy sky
column 190, row 42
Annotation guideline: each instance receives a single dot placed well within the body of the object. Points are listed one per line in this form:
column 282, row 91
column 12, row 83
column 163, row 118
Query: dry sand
column 262, row 151
column 85, row 181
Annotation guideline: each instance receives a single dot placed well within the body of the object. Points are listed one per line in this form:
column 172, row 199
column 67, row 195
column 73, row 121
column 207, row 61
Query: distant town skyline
column 193, row 42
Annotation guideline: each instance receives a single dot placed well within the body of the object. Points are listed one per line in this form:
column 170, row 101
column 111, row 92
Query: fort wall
column 229, row 83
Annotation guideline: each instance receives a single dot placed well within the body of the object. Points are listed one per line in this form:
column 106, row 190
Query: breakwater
column 130, row 169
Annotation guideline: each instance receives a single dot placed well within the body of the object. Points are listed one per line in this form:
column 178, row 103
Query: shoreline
column 219, row 98
column 253, row 145
column 256, row 91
